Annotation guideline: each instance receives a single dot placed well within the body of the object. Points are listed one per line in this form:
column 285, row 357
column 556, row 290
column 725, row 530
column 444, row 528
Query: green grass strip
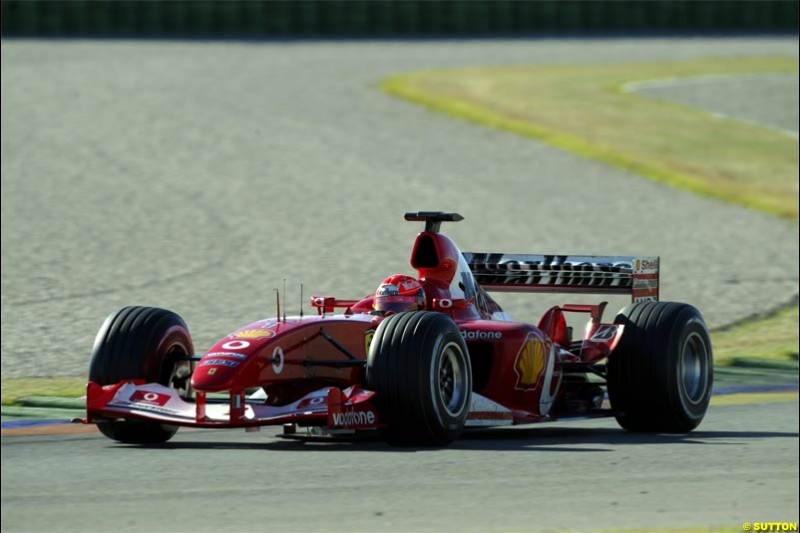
column 584, row 109
column 13, row 390
column 755, row 398
column 772, row 337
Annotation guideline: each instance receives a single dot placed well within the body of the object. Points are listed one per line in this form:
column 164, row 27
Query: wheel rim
column 181, row 372
column 694, row 368
column 451, row 379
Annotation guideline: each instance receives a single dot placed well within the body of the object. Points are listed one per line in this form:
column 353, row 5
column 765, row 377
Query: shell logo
column 253, row 334
column 530, row 364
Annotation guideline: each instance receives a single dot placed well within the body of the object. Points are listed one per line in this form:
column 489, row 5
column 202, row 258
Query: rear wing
column 589, row 274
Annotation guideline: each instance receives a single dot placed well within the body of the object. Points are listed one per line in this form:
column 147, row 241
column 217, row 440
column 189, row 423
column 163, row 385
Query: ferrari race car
column 419, row 377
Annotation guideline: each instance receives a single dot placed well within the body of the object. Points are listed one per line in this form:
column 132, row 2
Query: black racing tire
column 419, row 366
column 139, row 343
column 661, row 373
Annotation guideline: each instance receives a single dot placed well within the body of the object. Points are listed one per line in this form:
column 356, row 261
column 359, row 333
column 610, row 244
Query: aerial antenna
column 301, row 300
column 284, row 293
column 278, row 303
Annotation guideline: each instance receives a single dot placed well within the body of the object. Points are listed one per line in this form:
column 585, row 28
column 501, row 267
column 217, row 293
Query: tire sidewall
column 450, row 422
column 693, row 328
column 158, row 365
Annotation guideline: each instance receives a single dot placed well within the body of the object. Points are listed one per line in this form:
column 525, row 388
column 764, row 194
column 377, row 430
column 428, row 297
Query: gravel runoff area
column 196, row 176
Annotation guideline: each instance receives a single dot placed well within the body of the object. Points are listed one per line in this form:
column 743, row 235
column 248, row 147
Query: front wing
column 350, row 408
column 330, row 407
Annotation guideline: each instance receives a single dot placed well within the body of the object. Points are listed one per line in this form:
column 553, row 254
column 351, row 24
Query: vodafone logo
column 312, row 402
column 153, row 398
column 478, row 335
column 236, row 345
column 354, row 419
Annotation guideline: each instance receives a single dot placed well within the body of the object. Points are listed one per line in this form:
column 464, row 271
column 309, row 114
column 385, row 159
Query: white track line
column 658, row 83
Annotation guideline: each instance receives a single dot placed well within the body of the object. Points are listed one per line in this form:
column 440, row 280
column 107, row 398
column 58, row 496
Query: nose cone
column 221, row 365
column 215, row 372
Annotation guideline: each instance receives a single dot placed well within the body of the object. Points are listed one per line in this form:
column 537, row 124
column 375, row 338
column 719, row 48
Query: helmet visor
column 396, row 303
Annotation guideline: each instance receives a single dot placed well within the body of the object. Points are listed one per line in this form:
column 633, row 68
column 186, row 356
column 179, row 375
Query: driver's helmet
column 399, row 293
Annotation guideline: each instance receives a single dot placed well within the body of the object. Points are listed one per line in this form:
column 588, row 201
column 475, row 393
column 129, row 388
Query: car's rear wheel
column 661, row 373
column 419, row 365
column 142, row 343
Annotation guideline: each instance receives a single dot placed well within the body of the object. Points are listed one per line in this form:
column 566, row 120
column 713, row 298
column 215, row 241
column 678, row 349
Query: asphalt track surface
column 741, row 465
column 197, row 176
column 770, row 100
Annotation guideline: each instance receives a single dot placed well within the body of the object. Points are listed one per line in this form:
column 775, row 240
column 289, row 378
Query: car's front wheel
column 142, row 343
column 419, row 365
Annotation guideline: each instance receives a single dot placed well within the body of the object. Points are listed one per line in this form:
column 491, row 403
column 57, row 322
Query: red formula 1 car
column 418, row 376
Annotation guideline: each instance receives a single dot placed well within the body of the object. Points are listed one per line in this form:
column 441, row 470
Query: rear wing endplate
column 589, row 274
